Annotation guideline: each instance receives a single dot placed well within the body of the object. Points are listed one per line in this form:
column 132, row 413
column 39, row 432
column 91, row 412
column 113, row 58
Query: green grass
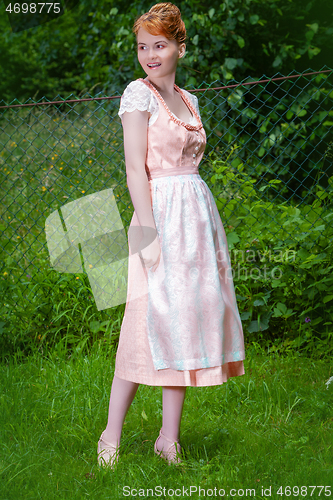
column 271, row 427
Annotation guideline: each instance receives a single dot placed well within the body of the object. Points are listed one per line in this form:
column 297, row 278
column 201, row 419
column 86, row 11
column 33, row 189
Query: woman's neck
column 167, row 90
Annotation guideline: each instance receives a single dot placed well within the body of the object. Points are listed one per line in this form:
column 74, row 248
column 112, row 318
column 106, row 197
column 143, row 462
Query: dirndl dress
column 181, row 325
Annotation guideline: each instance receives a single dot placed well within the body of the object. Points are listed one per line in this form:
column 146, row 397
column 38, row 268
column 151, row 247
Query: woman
column 181, row 325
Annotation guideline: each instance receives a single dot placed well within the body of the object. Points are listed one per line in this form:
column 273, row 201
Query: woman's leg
column 122, row 395
column 173, row 402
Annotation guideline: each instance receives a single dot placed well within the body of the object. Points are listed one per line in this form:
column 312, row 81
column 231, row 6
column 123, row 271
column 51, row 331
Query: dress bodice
column 174, row 147
column 138, row 96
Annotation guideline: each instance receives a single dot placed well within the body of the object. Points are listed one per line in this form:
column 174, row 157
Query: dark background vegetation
column 92, row 47
column 279, row 134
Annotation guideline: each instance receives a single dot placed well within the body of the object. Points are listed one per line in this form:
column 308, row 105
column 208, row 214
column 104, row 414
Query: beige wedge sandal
column 107, row 453
column 171, row 454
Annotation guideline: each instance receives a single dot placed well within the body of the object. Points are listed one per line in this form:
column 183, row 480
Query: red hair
column 162, row 19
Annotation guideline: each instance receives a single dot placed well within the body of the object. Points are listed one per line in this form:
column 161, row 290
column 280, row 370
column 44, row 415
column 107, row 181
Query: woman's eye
column 142, row 47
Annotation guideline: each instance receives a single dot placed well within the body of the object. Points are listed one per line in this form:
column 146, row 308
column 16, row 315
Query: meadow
column 271, row 427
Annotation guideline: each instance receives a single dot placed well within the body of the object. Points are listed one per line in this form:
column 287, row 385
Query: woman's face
column 157, row 48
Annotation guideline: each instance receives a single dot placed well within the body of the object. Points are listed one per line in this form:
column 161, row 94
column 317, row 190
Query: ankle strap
column 167, row 439
column 111, row 445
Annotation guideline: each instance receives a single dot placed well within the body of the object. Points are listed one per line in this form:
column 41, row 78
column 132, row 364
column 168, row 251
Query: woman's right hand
column 151, row 254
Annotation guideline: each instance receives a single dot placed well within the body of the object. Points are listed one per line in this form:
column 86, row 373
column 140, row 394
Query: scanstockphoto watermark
column 188, row 491
column 293, row 491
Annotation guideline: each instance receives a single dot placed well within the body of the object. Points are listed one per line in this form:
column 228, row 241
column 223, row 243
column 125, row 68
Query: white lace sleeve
column 135, row 96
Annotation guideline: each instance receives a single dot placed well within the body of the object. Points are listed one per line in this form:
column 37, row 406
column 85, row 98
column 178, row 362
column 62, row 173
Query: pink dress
column 184, row 328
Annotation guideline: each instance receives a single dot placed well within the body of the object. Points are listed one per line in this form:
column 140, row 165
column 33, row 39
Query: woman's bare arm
column 135, row 125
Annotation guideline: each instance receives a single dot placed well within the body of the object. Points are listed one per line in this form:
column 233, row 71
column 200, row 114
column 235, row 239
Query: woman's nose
column 151, row 53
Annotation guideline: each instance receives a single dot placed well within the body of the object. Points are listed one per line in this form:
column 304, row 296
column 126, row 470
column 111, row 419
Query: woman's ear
column 182, row 50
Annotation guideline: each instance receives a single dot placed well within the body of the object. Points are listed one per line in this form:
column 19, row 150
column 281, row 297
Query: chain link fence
column 268, row 139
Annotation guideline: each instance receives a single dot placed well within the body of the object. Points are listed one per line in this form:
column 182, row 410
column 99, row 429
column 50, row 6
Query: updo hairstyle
column 162, row 19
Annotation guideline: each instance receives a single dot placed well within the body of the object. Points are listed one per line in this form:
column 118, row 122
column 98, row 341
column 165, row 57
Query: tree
column 93, row 48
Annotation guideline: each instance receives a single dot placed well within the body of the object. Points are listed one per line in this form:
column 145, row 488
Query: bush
column 286, row 277
column 281, row 258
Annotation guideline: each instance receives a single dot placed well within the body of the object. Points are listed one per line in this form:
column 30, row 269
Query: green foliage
column 93, row 47
column 281, row 257
column 39, row 174
column 284, row 250
column 52, row 310
column 286, row 280
column 282, row 129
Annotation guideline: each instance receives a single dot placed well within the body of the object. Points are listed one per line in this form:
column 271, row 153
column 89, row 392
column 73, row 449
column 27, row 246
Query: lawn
column 266, row 434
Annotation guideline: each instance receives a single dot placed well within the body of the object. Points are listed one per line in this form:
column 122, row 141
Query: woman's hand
column 151, row 254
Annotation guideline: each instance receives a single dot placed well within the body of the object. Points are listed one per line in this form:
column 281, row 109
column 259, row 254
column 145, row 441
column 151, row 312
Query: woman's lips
column 154, row 67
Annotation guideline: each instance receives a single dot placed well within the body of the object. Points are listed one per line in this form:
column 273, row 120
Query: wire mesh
column 269, row 139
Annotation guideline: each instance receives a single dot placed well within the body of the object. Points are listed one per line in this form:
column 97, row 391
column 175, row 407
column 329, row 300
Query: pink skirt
column 134, row 361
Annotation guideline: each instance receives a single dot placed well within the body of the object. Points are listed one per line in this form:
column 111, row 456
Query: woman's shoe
column 107, row 453
column 171, row 454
